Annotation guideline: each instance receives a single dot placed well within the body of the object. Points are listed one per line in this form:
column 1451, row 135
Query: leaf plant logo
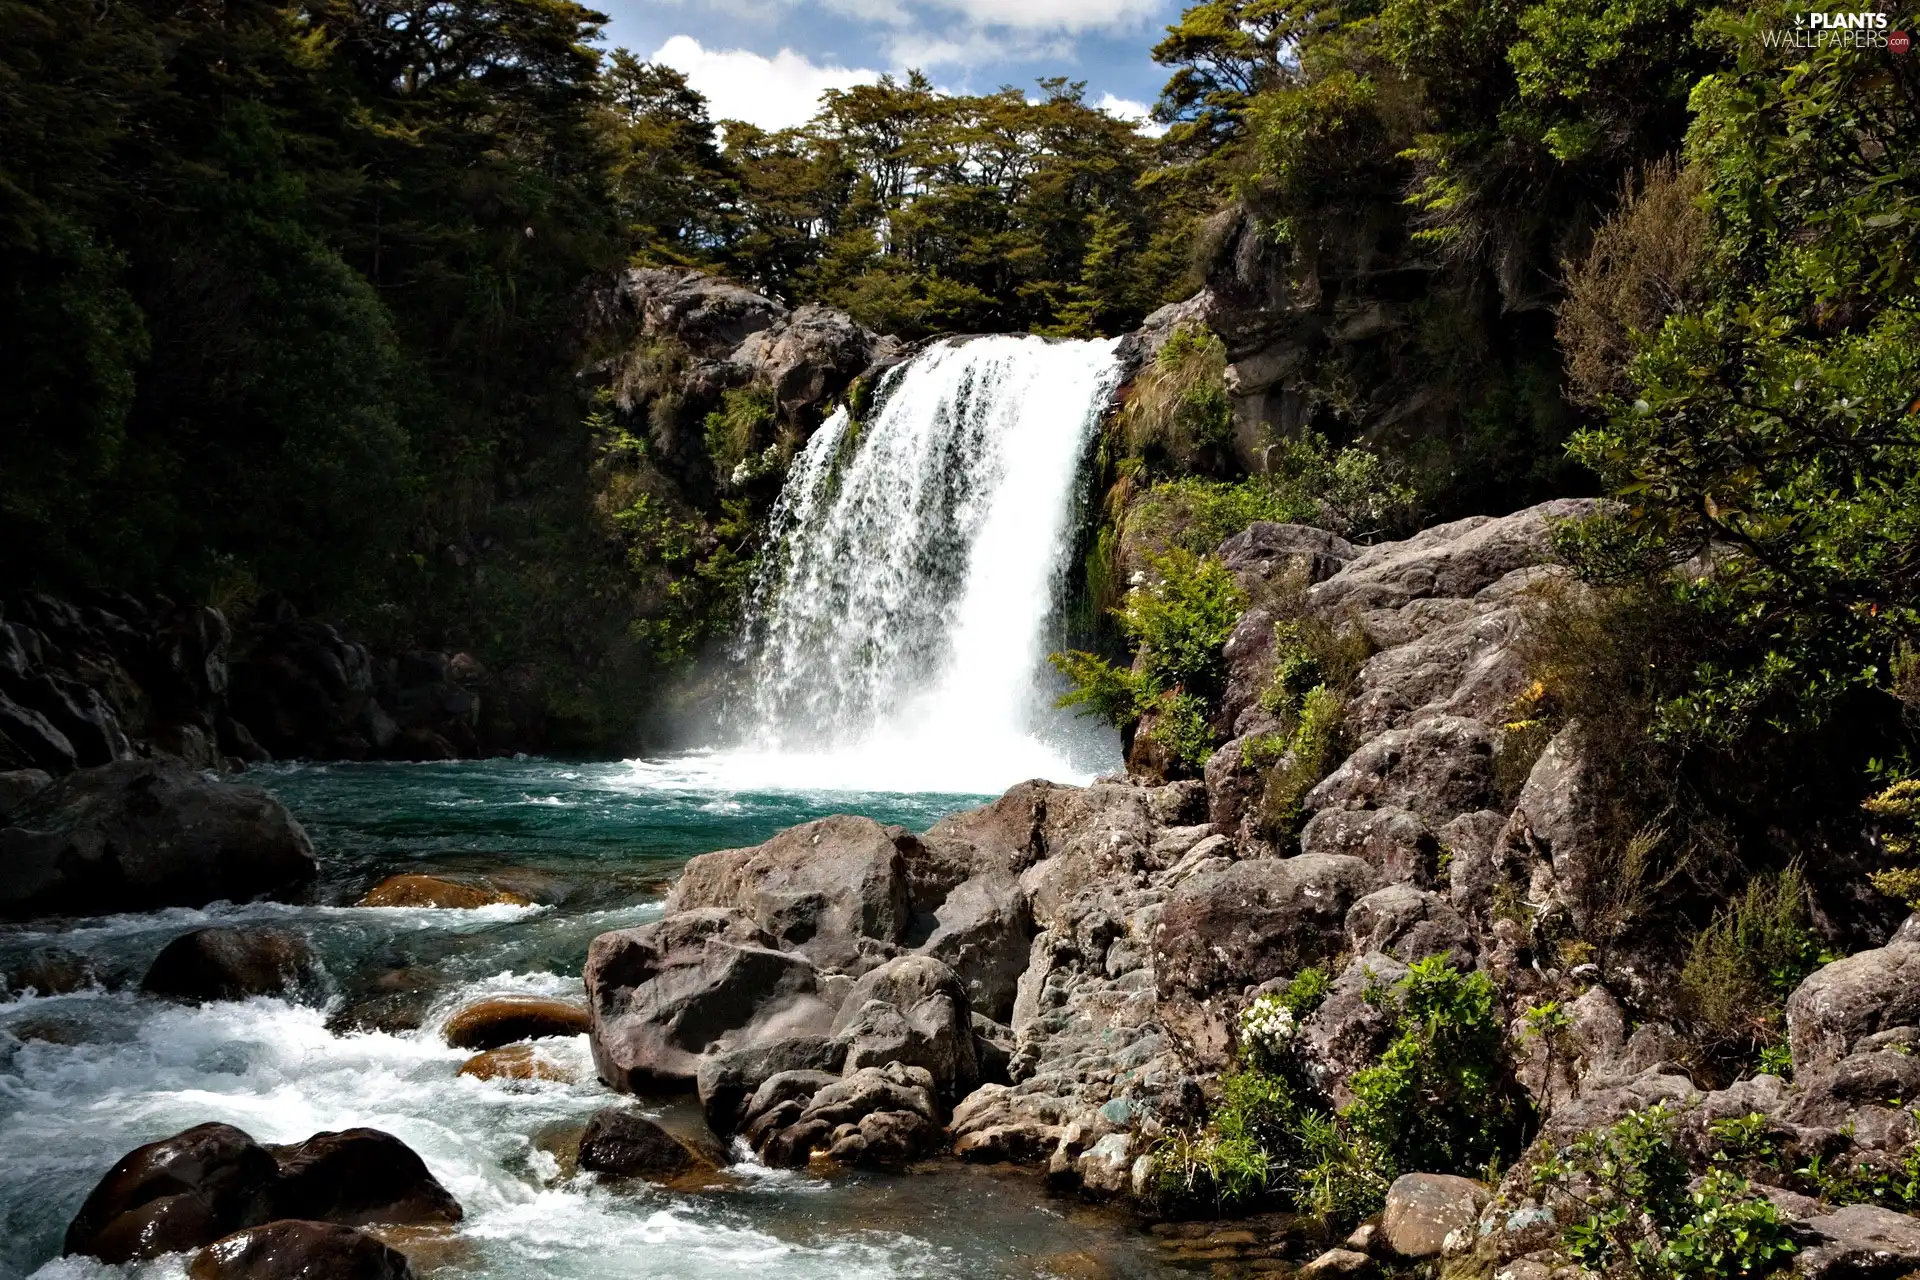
column 1818, row 29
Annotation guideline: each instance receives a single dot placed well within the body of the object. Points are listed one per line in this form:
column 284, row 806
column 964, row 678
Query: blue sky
column 768, row 60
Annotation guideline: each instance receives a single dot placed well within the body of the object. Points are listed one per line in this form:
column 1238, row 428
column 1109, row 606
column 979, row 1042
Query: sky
column 767, row 61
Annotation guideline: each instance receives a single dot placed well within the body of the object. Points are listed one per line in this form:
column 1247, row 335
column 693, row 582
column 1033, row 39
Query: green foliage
column 1302, row 758
column 1177, row 409
column 1438, row 1099
column 1632, row 1213
column 1307, row 481
column 1741, row 968
column 1896, row 818
column 734, row 430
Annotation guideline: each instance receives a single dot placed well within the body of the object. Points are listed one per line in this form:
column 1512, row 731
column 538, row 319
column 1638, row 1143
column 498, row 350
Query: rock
column 179, row 1193
column 993, row 1046
column 1860, row 1242
column 626, row 1144
column 296, row 1250
column 1223, row 931
column 50, row 971
column 1458, row 559
column 518, row 1062
column 663, row 994
column 728, row 1079
column 710, row 315
column 144, row 834
column 1394, row 841
column 890, row 1110
column 913, row 1011
column 358, row 1176
column 983, row 933
column 1338, row 1262
column 1439, row 768
column 502, row 1020
column 1105, row 1168
column 1556, row 820
column 885, row 1139
column 432, row 891
column 304, row 691
column 1842, row 1003
column 810, row 357
column 1409, row 924
column 28, row 740
column 834, row 889
column 1422, row 1209
column 1852, row 1090
column 20, row 785
column 230, row 964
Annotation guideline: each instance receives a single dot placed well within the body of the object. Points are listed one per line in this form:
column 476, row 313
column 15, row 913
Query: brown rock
column 358, row 1176
column 297, row 1250
column 230, row 964
column 432, row 891
column 503, row 1020
column 179, row 1193
column 518, row 1062
column 624, row 1143
column 1338, row 1262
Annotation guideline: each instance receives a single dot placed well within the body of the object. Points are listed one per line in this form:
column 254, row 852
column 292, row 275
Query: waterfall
column 897, row 633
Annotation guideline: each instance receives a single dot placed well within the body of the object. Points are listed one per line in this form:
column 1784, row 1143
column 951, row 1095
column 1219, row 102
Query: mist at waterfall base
column 896, row 634
column 84, row 1078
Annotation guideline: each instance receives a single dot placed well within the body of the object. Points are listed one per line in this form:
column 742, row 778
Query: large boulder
column 142, row 834
column 1457, row 559
column 912, row 1011
column 1423, row 1209
column 1438, row 768
column 212, row 1180
column 179, row 1193
column 358, row 1176
column 835, row 889
column 1860, row 1242
column 1244, row 924
column 503, row 1020
column 230, row 964
column 728, row 1078
column 297, row 1250
column 1840, row 1004
column 873, row 1116
column 710, row 315
column 621, row 1142
column 983, row 932
column 662, row 995
column 435, row 891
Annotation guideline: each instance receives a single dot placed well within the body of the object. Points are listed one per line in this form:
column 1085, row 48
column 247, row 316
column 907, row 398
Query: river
column 86, row 1077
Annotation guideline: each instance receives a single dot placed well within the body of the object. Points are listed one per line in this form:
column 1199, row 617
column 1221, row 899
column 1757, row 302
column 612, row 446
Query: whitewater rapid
column 897, row 633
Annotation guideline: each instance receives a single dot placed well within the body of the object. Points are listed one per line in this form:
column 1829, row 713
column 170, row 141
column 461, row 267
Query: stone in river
column 624, row 1143
column 358, row 1176
column 298, row 1250
column 518, row 1062
column 230, row 964
column 503, row 1020
column 433, row 891
column 175, row 1194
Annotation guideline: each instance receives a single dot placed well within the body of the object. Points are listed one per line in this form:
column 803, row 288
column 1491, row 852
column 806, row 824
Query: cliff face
column 1358, row 333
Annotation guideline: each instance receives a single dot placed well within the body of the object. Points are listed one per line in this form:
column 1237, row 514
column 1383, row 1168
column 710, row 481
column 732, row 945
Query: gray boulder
column 1841, row 1004
column 143, row 834
column 983, row 932
column 1409, row 924
column 912, row 1011
column 835, row 889
column 1457, row 559
column 1226, row 930
column 1860, row 1242
column 1439, row 768
column 1394, row 841
column 1422, row 1209
column 662, row 995
column 17, row 786
column 728, row 1078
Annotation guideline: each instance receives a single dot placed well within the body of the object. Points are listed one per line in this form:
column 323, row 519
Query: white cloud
column 1055, row 15
column 774, row 93
column 1128, row 109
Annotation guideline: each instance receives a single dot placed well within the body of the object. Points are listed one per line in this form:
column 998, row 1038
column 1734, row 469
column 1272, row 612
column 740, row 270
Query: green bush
column 1307, row 755
column 1178, row 408
column 1440, row 1098
column 1741, row 968
column 1633, row 1214
column 1177, row 622
column 733, row 430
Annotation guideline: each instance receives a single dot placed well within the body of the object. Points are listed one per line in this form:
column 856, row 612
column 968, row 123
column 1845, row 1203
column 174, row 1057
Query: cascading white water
column 896, row 638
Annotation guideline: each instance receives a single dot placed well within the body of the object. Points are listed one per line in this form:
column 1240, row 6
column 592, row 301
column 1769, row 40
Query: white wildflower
column 1267, row 1026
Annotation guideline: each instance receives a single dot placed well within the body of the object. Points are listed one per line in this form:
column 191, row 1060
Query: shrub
column 1438, row 1099
column 1177, row 622
column 1310, row 752
column 1743, row 965
column 1179, row 407
column 1896, row 819
column 733, row 430
column 1626, row 1188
